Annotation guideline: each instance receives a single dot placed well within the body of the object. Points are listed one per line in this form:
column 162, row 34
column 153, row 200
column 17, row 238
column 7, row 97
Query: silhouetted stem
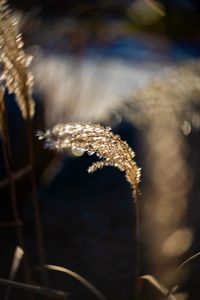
column 35, row 289
column 137, row 240
column 16, row 175
column 39, row 233
column 20, row 238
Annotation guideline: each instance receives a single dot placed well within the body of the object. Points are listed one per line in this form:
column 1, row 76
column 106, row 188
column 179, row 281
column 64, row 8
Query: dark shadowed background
column 90, row 57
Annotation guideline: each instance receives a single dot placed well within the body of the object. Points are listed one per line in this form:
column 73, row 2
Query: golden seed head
column 94, row 138
column 17, row 77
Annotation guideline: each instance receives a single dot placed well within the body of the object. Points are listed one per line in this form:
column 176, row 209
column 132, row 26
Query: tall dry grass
column 17, row 79
column 161, row 110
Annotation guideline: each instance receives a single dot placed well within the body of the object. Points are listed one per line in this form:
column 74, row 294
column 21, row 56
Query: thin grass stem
column 7, row 153
column 38, row 225
column 35, row 289
column 137, row 241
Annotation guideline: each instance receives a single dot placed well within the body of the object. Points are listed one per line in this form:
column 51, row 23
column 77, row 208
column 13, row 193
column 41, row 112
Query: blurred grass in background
column 135, row 66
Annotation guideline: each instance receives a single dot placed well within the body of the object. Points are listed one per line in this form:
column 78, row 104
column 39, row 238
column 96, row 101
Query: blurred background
column 132, row 65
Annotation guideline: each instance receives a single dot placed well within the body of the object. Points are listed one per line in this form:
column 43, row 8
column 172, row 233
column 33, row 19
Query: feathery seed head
column 93, row 138
column 172, row 100
column 15, row 62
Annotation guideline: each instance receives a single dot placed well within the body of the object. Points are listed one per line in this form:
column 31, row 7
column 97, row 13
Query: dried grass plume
column 18, row 79
column 172, row 99
column 93, row 138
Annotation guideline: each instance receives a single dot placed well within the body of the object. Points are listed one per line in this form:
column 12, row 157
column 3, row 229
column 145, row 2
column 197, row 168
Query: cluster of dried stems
column 94, row 138
column 17, row 79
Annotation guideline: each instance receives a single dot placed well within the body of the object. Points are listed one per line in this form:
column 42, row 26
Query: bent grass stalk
column 99, row 140
column 79, row 278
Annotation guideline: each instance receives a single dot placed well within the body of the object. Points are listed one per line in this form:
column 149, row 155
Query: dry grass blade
column 17, row 77
column 160, row 287
column 35, row 289
column 180, row 268
column 94, row 138
column 17, row 258
column 187, row 261
column 79, row 278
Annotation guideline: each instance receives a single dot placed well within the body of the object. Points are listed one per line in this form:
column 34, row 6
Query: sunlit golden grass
column 93, row 138
column 16, row 75
column 172, row 99
column 160, row 110
column 18, row 80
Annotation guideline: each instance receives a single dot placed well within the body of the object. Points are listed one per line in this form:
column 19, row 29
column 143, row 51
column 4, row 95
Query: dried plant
column 17, row 77
column 93, row 138
column 18, row 80
column 99, row 140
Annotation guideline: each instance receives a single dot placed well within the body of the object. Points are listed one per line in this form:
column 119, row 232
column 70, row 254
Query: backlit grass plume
column 93, row 138
column 15, row 62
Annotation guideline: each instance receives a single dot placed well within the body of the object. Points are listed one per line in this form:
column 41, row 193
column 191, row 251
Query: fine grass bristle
column 94, row 138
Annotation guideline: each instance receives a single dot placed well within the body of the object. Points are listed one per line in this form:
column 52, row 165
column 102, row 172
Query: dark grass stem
column 19, row 174
column 94, row 138
column 137, row 247
column 47, row 292
column 11, row 183
column 38, row 224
